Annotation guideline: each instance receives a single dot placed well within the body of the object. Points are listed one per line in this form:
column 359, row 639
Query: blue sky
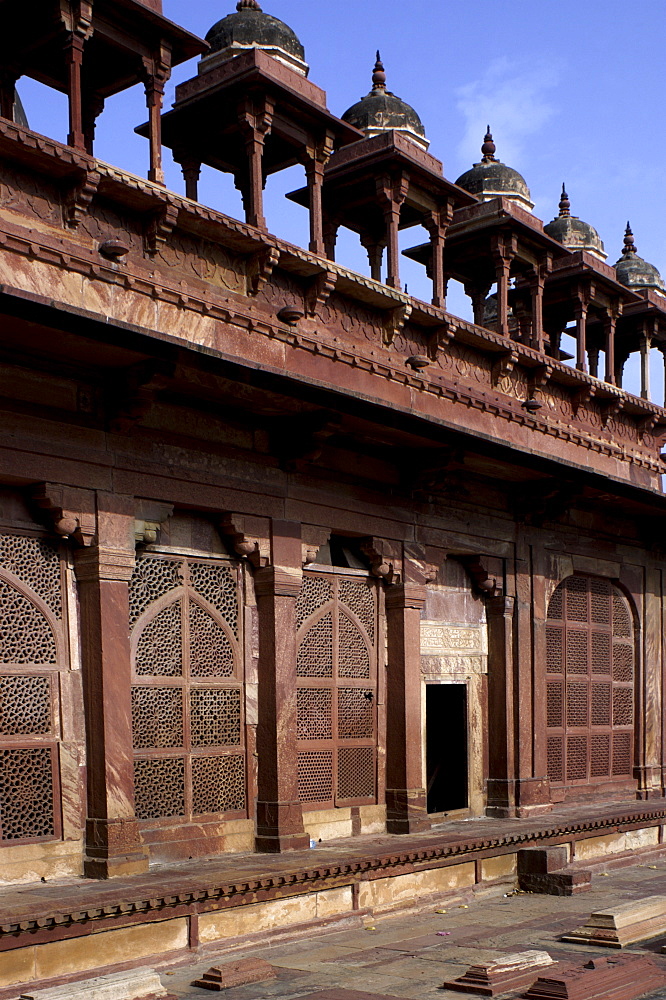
column 573, row 92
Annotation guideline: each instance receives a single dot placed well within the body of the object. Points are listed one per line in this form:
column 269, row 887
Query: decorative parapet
column 210, row 283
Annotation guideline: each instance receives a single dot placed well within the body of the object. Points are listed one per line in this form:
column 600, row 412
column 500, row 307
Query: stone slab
column 139, row 984
column 509, row 972
column 624, row 977
column 240, row 973
column 624, row 924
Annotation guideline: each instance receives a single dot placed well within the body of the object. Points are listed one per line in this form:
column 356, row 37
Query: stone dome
column 250, row 28
column 633, row 271
column 573, row 233
column 381, row 111
column 491, row 179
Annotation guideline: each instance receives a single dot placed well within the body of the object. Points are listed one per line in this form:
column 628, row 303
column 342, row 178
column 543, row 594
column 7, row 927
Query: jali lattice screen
column 32, row 654
column 187, row 691
column 589, row 683
column 336, row 619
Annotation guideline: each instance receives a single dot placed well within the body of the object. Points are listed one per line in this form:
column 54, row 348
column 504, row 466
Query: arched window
column 336, row 619
column 187, row 689
column 32, row 658
column 589, row 684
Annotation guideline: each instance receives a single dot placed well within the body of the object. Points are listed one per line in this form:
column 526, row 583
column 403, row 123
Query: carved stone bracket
column 610, row 409
column 134, row 397
column 249, row 537
column 421, row 564
column 385, row 558
column 80, row 195
column 302, row 438
column 583, row 397
column 320, row 291
column 503, row 365
column 485, row 583
column 71, row 511
column 313, row 537
column 150, row 517
column 540, row 376
column 439, row 339
column 260, row 267
column 395, row 321
column 160, row 226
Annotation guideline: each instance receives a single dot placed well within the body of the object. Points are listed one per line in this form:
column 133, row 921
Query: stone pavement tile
column 310, row 956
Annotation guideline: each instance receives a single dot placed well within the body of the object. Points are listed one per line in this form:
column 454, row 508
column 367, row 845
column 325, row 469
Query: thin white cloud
column 513, row 98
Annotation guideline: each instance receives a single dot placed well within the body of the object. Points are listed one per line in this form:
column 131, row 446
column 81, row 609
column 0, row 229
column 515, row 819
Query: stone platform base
column 56, row 933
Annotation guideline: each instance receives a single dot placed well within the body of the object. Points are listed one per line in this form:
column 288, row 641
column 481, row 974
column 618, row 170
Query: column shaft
column 113, row 842
column 406, row 809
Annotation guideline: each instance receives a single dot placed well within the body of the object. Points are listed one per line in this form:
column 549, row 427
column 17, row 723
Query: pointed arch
column 187, row 692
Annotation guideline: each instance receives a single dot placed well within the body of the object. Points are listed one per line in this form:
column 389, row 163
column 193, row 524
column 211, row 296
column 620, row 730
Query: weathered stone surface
column 624, row 924
column 246, row 970
column 134, row 985
column 621, row 978
column 510, row 972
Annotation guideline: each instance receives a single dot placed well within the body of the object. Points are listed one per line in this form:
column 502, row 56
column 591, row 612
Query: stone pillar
column 279, row 811
column 317, row 157
column 536, row 292
column 74, row 56
column 255, row 125
column 157, row 70
column 406, row 807
column 103, row 570
column 609, row 336
column 375, row 247
column 502, row 271
column 331, row 227
column 8, row 78
column 191, row 168
column 646, row 345
column 93, row 105
column 436, row 223
column 477, row 292
column 580, row 313
column 501, row 754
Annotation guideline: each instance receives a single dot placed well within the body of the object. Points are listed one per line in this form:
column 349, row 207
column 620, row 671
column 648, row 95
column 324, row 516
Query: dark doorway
column 446, row 747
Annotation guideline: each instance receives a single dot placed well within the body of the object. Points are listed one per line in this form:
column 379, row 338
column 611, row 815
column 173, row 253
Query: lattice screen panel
column 336, row 697
column 27, row 793
column 32, row 654
column 187, row 696
column 589, row 638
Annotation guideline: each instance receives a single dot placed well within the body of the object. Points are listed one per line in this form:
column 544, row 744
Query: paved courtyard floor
column 412, row 954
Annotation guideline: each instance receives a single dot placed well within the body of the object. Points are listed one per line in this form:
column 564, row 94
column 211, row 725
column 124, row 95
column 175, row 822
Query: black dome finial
column 488, row 148
column 378, row 75
column 629, row 244
column 248, row 5
column 565, row 204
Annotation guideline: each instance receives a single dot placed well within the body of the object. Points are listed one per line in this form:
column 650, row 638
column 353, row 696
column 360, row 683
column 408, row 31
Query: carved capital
column 278, row 581
column 97, row 564
column 406, row 596
column 71, row 511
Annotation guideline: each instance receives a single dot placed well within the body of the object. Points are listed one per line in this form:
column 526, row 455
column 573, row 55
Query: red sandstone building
column 287, row 555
